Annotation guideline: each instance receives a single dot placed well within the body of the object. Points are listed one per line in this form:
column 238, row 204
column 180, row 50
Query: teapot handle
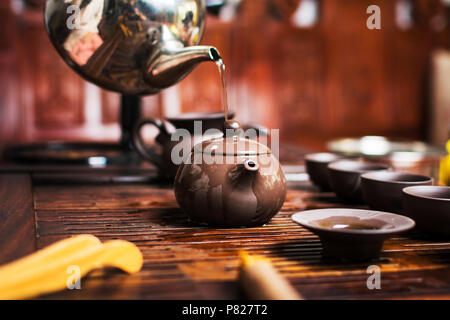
column 139, row 144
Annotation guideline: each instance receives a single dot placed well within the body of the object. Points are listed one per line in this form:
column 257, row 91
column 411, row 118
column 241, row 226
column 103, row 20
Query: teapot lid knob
column 232, row 125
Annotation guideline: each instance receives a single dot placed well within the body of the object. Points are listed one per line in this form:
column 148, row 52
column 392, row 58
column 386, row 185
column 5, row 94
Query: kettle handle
column 139, row 144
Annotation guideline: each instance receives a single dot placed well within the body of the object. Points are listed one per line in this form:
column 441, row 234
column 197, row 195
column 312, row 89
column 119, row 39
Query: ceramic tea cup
column 352, row 234
column 317, row 168
column 345, row 177
column 382, row 190
column 429, row 206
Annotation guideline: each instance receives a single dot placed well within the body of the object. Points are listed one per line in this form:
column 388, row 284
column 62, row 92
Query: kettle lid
column 231, row 146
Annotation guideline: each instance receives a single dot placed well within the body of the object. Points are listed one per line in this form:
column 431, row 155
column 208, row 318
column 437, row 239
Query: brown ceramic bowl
column 430, row 207
column 382, row 190
column 317, row 168
column 345, row 177
column 352, row 234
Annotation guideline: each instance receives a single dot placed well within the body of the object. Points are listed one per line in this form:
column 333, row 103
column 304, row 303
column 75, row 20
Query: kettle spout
column 171, row 65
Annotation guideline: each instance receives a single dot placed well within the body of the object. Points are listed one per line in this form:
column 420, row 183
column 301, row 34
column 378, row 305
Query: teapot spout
column 242, row 175
column 251, row 166
column 173, row 64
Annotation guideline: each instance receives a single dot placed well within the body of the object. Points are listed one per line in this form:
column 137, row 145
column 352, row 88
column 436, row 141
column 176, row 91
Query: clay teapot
column 230, row 182
column 182, row 132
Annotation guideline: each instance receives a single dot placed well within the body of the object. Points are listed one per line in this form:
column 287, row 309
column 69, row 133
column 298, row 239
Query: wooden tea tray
column 186, row 261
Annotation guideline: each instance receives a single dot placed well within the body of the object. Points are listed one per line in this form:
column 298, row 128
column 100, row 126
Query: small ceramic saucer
column 352, row 234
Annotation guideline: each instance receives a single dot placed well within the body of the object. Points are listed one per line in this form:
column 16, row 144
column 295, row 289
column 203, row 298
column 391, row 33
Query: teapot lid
column 231, row 146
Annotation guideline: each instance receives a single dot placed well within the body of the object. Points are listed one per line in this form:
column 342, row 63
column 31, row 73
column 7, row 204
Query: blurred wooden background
column 330, row 79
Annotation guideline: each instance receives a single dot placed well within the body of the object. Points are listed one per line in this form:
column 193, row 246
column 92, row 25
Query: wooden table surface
column 185, row 261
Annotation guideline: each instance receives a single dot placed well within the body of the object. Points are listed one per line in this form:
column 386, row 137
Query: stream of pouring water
column 223, row 78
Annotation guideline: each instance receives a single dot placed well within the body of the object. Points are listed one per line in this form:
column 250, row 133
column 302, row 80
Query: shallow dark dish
column 429, row 206
column 317, row 168
column 352, row 234
column 382, row 190
column 345, row 177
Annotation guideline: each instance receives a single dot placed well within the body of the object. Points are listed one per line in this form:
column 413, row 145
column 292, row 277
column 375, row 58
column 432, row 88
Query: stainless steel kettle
column 134, row 47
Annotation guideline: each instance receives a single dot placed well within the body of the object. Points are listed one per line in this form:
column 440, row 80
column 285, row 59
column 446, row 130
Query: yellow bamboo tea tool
column 444, row 173
column 260, row 281
column 47, row 270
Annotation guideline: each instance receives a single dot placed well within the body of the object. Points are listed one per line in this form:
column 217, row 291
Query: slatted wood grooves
column 17, row 224
column 184, row 258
